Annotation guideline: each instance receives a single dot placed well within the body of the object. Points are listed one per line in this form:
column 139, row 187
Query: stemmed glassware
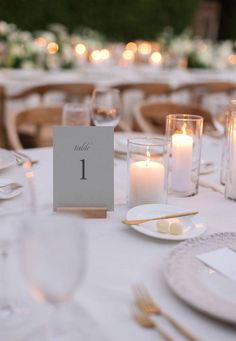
column 106, row 107
column 53, row 252
column 13, row 311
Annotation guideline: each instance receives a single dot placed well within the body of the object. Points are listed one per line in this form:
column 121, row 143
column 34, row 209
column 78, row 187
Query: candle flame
column 52, row 47
column 95, row 56
column 145, row 48
column 148, row 156
column 80, row 49
column 128, row 55
column 155, row 58
column 131, row 46
column 105, row 54
column 184, row 130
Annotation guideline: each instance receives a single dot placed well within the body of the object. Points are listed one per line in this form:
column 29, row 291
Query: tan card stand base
column 86, row 212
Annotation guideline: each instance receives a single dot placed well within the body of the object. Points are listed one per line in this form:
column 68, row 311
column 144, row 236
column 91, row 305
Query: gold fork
column 145, row 321
column 145, row 302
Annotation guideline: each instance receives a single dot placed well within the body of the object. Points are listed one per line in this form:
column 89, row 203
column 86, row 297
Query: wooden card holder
column 86, row 212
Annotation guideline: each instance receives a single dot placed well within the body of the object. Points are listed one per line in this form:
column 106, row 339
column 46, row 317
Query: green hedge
column 116, row 19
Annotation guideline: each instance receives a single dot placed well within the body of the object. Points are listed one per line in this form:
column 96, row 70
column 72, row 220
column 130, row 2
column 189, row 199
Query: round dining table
column 120, row 257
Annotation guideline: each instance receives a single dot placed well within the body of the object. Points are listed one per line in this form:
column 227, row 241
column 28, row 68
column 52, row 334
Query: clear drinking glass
column 106, row 107
column 230, row 164
column 185, row 134
column 75, row 114
column 147, row 171
column 230, row 108
column 53, row 253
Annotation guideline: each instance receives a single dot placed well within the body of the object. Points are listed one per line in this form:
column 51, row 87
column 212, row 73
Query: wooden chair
column 150, row 117
column 69, row 90
column 37, row 117
column 198, row 91
column 147, row 89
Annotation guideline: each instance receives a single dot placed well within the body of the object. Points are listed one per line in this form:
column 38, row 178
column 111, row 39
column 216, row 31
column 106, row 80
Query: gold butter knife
column 167, row 216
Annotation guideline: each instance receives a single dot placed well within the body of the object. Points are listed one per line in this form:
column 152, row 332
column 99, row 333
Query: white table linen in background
column 110, row 75
column 120, row 257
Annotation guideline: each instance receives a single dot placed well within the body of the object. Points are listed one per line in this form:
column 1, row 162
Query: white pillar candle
column 182, row 148
column 147, row 182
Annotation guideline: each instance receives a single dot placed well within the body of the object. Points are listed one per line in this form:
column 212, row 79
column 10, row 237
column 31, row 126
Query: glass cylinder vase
column 147, row 171
column 230, row 108
column 230, row 164
column 184, row 133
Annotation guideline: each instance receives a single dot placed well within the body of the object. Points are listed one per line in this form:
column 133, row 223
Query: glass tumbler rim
column 185, row 117
column 70, row 106
column 146, row 141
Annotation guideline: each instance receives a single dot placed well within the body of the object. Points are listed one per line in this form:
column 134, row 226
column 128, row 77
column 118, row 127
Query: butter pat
column 162, row 226
column 176, row 228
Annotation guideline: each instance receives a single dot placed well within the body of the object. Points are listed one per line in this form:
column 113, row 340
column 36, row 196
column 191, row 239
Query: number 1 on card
column 83, row 170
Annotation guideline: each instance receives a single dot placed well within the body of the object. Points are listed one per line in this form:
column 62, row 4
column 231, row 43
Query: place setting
column 200, row 270
column 10, row 188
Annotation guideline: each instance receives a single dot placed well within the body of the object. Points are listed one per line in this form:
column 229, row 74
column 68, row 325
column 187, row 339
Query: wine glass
column 14, row 310
column 106, row 107
column 53, row 250
column 75, row 114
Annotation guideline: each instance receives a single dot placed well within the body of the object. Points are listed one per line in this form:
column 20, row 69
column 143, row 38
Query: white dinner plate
column 197, row 284
column 193, row 226
column 7, row 159
column 8, row 195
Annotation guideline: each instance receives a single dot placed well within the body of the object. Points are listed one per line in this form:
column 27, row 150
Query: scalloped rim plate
column 192, row 281
column 193, row 226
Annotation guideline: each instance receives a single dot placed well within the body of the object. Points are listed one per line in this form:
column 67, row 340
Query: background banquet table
column 119, row 257
column 109, row 75
column 14, row 81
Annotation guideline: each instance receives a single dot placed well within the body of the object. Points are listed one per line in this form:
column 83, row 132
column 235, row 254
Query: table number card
column 83, row 167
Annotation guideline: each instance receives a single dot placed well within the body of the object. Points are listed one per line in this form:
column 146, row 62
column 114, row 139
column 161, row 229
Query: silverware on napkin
column 21, row 158
column 10, row 187
column 145, row 321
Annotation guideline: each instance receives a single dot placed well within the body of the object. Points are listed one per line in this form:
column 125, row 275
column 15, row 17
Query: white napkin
column 222, row 260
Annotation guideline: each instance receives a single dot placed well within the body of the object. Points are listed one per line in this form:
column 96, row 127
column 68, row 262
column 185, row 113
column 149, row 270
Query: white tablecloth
column 16, row 80
column 120, row 257
column 109, row 75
